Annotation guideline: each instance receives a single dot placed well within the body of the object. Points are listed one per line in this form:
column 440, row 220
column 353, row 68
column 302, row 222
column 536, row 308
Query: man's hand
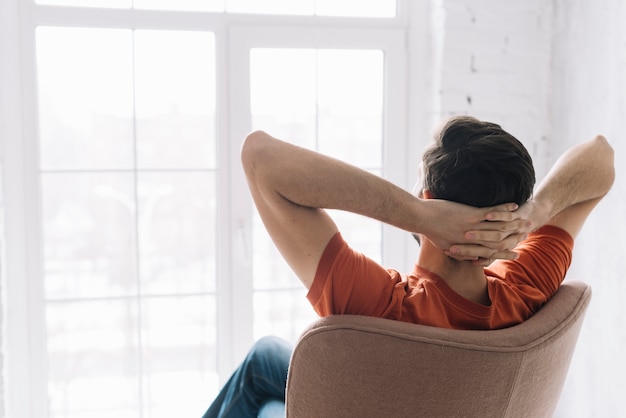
column 502, row 232
column 478, row 234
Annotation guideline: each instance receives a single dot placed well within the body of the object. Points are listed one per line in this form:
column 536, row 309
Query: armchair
column 355, row 366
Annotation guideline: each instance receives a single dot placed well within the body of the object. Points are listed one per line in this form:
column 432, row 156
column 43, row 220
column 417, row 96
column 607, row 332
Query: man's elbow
column 251, row 148
column 607, row 153
column 603, row 145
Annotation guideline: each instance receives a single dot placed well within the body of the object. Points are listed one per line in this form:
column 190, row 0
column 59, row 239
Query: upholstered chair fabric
column 355, row 366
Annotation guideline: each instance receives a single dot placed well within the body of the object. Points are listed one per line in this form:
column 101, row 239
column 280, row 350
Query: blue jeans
column 257, row 387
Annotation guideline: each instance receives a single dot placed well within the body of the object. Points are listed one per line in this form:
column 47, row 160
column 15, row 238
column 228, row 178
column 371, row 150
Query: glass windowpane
column 283, row 96
column 92, row 358
column 88, row 232
column 177, row 212
column 350, row 105
column 362, row 233
column 332, row 101
column 175, row 99
column 85, row 98
column 284, row 313
column 106, row 192
column 179, row 355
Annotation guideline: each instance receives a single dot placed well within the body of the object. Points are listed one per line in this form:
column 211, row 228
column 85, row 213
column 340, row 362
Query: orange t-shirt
column 347, row 282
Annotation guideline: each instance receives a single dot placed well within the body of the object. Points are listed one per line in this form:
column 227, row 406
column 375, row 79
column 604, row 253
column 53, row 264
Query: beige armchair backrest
column 354, row 366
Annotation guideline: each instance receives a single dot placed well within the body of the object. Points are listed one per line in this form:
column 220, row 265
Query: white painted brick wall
column 495, row 66
column 553, row 73
column 589, row 98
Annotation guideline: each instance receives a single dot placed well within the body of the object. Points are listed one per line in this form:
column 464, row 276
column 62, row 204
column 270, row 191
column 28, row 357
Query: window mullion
column 393, row 45
column 241, row 210
column 398, row 165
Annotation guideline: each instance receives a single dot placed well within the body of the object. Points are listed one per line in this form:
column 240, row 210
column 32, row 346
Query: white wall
column 588, row 98
column 9, row 120
column 495, row 66
column 553, row 73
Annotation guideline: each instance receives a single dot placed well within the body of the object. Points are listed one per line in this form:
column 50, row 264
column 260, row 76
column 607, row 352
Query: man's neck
column 463, row 277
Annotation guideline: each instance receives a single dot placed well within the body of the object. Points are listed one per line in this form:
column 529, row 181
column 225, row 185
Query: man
column 474, row 177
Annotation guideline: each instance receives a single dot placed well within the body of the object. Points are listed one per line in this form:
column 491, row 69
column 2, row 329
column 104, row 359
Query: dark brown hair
column 477, row 163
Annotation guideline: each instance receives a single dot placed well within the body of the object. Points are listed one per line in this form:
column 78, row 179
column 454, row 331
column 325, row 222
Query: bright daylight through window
column 129, row 209
column 322, row 104
column 141, row 289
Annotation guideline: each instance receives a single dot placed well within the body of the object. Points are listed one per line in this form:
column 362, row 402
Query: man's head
column 478, row 164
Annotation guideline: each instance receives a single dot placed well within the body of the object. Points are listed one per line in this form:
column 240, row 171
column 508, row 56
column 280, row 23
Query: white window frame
column 23, row 339
column 244, row 38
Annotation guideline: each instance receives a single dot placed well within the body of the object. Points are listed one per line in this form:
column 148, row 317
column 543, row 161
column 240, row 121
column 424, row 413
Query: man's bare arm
column 291, row 186
column 574, row 186
column 581, row 177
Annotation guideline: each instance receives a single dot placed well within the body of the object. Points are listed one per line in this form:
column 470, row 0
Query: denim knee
column 269, row 343
column 270, row 349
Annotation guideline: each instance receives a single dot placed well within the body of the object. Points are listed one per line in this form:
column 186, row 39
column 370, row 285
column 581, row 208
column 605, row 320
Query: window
column 353, row 8
column 128, row 191
column 322, row 105
column 149, row 273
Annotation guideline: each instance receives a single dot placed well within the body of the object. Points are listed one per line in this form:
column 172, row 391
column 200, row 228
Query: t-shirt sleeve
column 348, row 282
column 544, row 258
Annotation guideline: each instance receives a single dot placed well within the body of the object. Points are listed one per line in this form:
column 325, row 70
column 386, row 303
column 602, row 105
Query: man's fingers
column 500, row 241
column 484, row 231
column 481, row 237
column 504, row 213
column 501, row 216
column 458, row 257
column 505, row 207
column 496, row 239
